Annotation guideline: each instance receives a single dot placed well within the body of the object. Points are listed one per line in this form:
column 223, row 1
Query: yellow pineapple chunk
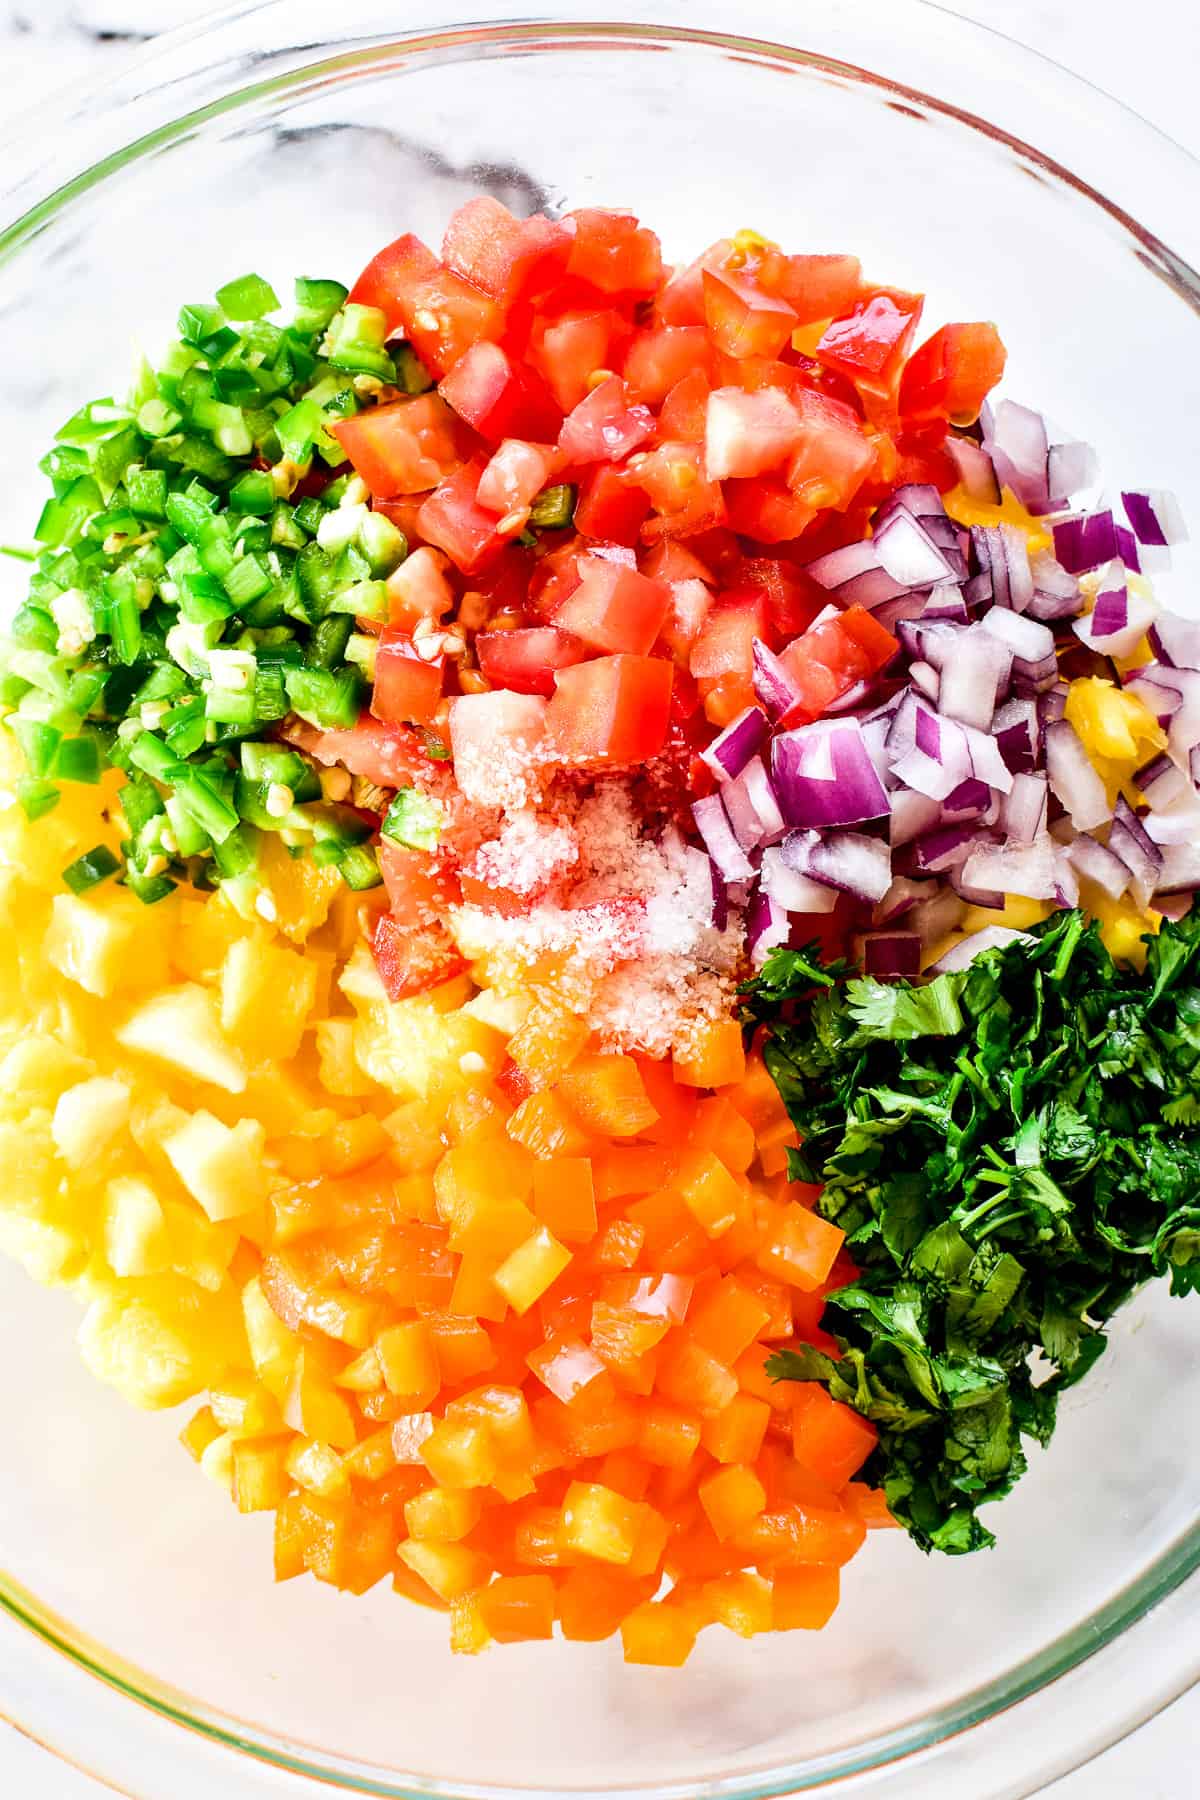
column 180, row 1027
column 135, row 1231
column 88, row 1118
column 299, row 892
column 273, row 1346
column 37, row 1070
column 267, row 992
column 220, row 1167
column 200, row 1251
column 159, row 1340
column 105, row 941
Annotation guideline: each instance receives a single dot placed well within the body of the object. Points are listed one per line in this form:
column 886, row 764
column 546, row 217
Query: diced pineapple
column 104, row 941
column 267, row 993
column 206, row 931
column 160, row 1340
column 37, row 1070
column 301, row 891
column 273, row 1347
column 318, row 1468
column 220, row 1167
column 135, row 1231
column 340, row 1072
column 180, row 1027
column 200, row 1251
column 505, row 1013
column 88, row 1118
column 216, row 1459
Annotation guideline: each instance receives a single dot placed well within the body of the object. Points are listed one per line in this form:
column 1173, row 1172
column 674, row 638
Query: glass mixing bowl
column 295, row 137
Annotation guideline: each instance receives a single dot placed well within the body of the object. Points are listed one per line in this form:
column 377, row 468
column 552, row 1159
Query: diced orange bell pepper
column 260, row 1477
column 409, row 1363
column 564, row 1198
column 722, row 1129
column 451, row 1570
column 728, row 1319
column 800, row 1247
column 619, row 1245
column 672, row 1239
column 601, row 1524
column 548, row 1042
column 593, row 1600
column 517, row 1609
column 443, row 1514
column 711, row 1194
column 716, row 1058
column 830, row 1441
column 468, row 1633
column 546, row 1126
column 870, row 1505
column 735, row 1434
column 634, row 1169
column 803, row 1532
column 626, row 1472
column 659, row 1634
column 757, row 1098
column 741, row 1602
column 694, row 1378
column 460, row 1453
column 531, row 1268
column 608, row 1096
column 731, row 1498
column 564, row 1367
column 675, row 1105
column 463, row 1347
column 804, row 1599
column 668, row 1435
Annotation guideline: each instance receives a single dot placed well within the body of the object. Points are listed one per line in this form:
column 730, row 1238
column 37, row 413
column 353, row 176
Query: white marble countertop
column 1148, row 58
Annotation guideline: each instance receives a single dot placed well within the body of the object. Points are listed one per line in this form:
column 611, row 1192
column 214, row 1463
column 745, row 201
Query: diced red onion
column 713, row 825
column 1029, row 870
column 1015, row 729
column 1069, row 468
column 987, row 764
column 854, row 572
column 948, row 848
column 824, row 777
column 1015, row 438
column 1155, row 516
column 1127, row 548
column 960, row 956
column 795, row 892
column 1066, row 890
column 1163, row 701
column 1026, row 640
column 975, row 471
column 1173, row 906
column 931, row 919
column 970, row 800
column 1096, row 864
column 1183, row 732
column 720, row 897
column 1085, row 541
column 1074, row 781
column 846, row 860
column 892, row 955
column 945, row 605
column 1056, row 594
column 893, row 612
column 926, row 678
column 926, row 752
column 1117, row 623
column 767, row 926
column 1180, row 872
column 912, row 813
column 950, row 540
column 1051, row 706
column 852, row 698
column 1176, row 641
column 900, row 898
column 1181, row 825
column 773, row 684
column 988, row 898
column 921, row 499
column 1163, row 782
column 987, row 547
column 1140, row 854
column 1023, row 813
column 732, row 748
column 975, row 668
column 907, row 553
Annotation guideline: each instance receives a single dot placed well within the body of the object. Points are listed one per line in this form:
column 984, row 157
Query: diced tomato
column 507, row 257
column 605, row 426
column 828, row 661
column 612, row 252
column 612, row 710
column 610, row 506
column 660, row 357
column 568, row 351
column 793, row 599
column 743, row 318
column 747, row 434
column 680, row 492
column 690, row 605
column 410, row 961
column 753, row 373
column 555, row 575
column 767, row 510
column 526, row 660
column 389, row 756
column 441, row 314
column 682, row 300
column 870, row 343
column 833, row 455
column 418, row 589
column 515, row 477
column 405, row 447
column 952, row 374
column 408, row 688
column 670, row 561
column 725, row 643
column 684, row 412
column 497, row 398
column 453, row 519
column 819, row 287
column 614, row 608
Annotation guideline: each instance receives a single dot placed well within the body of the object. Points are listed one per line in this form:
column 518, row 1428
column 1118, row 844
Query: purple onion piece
column 892, row 955
column 796, row 893
column 1127, row 549
column 1129, row 840
column 975, row 672
column 1163, row 782
column 1176, row 641
column 1085, row 541
column 732, row 749
column 961, row 955
column 1180, row 872
column 947, row 848
column 824, row 777
column 846, row 860
column 1015, row 729
column 1015, row 438
column 1073, row 780
column 1070, row 467
column 907, row 553
column 1023, row 813
column 1173, row 906
column 767, row 927
column 773, row 685
column 712, row 823
column 931, row 919
column 1029, row 870
column 1092, row 862
column 720, row 892
column 1117, row 623
column 975, row 472
column 900, row 898
column 1155, row 516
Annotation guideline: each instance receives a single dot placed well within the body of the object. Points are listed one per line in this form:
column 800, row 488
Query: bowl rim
column 44, row 184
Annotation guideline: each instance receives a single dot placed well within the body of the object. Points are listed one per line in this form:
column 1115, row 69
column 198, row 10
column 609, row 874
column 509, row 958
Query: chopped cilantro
column 1011, row 1151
